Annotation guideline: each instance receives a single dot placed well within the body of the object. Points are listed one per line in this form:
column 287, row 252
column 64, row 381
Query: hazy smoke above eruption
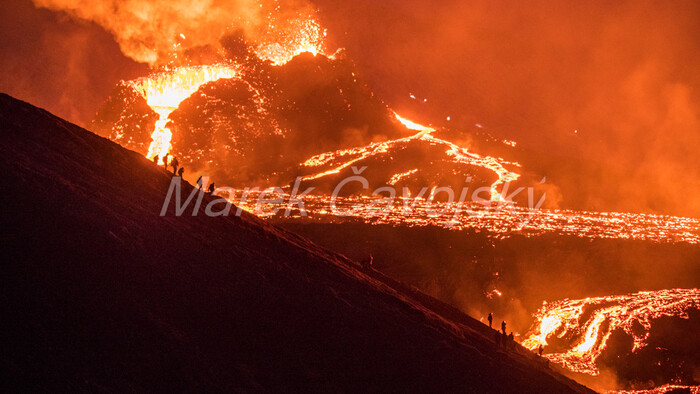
column 157, row 32
column 148, row 31
column 67, row 56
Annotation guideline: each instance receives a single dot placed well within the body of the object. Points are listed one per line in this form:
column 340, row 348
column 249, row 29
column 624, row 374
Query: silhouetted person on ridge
column 503, row 327
column 199, row 182
column 180, row 171
column 511, row 340
column 211, row 188
column 367, row 263
column 490, row 320
column 165, row 161
column 540, row 350
column 155, row 159
column 174, row 164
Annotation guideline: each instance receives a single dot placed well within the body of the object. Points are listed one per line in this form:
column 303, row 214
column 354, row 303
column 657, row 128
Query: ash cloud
column 151, row 31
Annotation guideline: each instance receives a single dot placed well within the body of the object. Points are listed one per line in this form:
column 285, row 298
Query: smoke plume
column 150, row 31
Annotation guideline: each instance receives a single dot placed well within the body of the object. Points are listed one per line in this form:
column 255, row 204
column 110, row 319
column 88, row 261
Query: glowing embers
column 164, row 91
column 290, row 38
column 588, row 323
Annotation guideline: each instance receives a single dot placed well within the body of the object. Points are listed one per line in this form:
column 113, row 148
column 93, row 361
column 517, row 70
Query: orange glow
column 165, row 91
column 344, row 158
column 589, row 337
column 300, row 35
column 413, row 125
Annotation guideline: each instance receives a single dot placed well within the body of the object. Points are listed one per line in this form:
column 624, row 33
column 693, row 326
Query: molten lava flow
column 413, row 125
column 588, row 323
column 166, row 90
column 344, row 158
column 397, row 177
column 462, row 155
column 667, row 388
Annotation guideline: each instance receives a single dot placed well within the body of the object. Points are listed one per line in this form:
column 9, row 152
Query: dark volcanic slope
column 100, row 293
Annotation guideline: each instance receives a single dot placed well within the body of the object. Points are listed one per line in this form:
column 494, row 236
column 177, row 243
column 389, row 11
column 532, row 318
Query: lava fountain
column 165, row 91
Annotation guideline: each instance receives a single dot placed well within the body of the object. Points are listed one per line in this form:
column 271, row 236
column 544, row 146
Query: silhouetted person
column 180, row 171
column 155, row 159
column 211, row 188
column 367, row 263
column 511, row 340
column 174, row 164
column 540, row 350
column 490, row 320
column 503, row 327
column 199, row 182
column 165, row 161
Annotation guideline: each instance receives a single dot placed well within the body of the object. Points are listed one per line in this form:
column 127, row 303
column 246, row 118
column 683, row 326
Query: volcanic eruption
column 412, row 198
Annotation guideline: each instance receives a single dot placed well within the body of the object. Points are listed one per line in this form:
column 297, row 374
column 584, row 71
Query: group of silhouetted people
column 181, row 170
column 504, row 340
column 503, row 323
column 210, row 189
column 173, row 163
column 507, row 341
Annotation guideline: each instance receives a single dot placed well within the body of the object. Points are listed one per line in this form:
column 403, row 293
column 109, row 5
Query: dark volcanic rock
column 126, row 119
column 98, row 292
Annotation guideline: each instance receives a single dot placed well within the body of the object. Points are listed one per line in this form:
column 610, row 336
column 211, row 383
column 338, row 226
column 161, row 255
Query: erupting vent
column 165, row 91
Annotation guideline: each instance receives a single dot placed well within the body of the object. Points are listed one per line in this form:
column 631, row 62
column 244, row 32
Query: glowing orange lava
column 413, row 125
column 588, row 323
column 344, row 158
column 165, row 91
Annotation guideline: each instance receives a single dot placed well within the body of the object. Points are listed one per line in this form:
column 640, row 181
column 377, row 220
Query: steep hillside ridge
column 99, row 292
